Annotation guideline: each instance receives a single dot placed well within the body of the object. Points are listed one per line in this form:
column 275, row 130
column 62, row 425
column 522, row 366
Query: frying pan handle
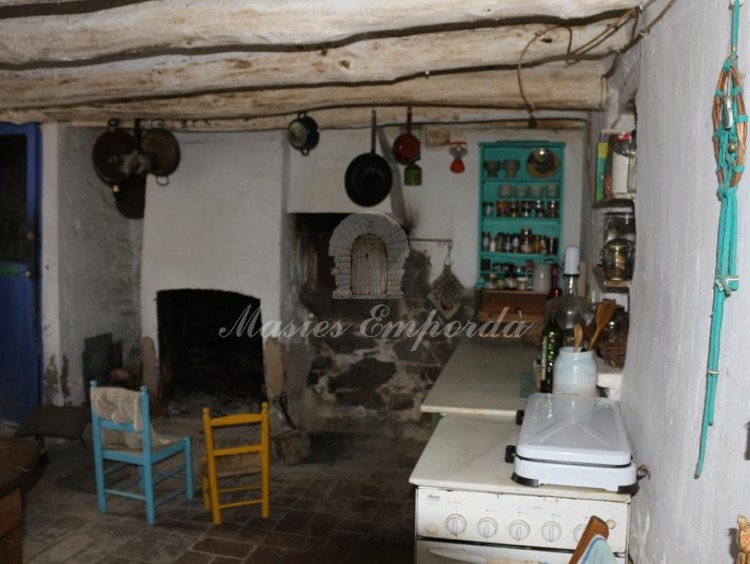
column 372, row 132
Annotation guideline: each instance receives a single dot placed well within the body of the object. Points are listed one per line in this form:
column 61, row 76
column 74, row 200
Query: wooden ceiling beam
column 552, row 86
column 371, row 61
column 155, row 27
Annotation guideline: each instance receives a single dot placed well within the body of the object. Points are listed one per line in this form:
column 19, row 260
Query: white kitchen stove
column 574, row 441
column 469, row 509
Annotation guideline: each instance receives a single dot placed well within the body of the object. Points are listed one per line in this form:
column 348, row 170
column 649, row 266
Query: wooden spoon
column 604, row 313
column 577, row 338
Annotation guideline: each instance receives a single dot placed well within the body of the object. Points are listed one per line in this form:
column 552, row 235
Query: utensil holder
column 574, row 373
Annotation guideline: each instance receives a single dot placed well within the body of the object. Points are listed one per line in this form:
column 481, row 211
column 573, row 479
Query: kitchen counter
column 482, row 377
column 468, row 453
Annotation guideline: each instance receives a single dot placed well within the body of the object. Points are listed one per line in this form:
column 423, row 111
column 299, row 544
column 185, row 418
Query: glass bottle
column 486, row 241
column 551, row 342
column 569, row 305
column 555, row 291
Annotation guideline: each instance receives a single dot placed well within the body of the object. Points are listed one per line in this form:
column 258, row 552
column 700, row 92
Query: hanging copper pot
column 164, row 150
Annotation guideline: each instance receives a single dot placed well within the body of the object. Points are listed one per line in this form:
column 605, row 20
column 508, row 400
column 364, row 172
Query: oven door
column 436, row 552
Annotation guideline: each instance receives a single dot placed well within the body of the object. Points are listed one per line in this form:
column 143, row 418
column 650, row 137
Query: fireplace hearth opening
column 202, row 366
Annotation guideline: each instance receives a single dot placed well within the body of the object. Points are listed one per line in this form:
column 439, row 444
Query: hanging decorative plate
column 542, row 163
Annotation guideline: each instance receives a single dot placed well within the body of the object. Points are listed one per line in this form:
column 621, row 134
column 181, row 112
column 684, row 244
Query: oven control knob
column 519, row 530
column 578, row 532
column 487, row 527
column 455, row 524
column 551, row 531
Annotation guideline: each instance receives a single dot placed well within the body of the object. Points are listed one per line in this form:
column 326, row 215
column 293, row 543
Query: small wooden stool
column 65, row 422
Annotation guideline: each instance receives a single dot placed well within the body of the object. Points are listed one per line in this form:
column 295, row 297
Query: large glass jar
column 619, row 225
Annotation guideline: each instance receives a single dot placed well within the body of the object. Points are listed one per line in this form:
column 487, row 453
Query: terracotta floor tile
column 284, row 540
column 223, row 547
column 194, row 558
column 355, row 507
column 294, row 522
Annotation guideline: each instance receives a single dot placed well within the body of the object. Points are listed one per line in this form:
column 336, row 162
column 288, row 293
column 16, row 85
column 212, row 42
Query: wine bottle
column 552, row 339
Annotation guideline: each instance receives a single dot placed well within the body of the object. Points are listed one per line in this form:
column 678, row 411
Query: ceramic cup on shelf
column 511, row 167
column 492, row 168
column 506, row 191
column 574, row 373
column 522, row 191
column 536, row 191
column 542, row 281
column 553, row 191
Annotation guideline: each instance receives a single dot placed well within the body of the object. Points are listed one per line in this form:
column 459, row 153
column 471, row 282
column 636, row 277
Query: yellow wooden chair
column 242, row 457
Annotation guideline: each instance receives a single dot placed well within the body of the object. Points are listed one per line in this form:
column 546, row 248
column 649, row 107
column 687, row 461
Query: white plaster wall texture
column 50, row 288
column 218, row 224
column 317, row 181
column 446, row 206
column 677, row 518
column 95, row 260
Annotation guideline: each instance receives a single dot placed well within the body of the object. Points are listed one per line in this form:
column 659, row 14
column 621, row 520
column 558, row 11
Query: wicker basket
column 612, row 348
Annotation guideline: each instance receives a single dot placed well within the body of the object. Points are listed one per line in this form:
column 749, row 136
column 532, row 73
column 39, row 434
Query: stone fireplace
column 365, row 381
column 204, row 356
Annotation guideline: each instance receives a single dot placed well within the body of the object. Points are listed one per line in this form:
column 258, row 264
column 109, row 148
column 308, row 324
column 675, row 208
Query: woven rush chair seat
column 246, row 452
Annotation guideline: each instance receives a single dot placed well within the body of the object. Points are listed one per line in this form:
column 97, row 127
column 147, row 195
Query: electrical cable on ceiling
column 730, row 131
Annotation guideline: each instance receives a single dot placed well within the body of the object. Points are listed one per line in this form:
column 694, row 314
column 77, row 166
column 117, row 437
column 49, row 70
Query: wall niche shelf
column 610, row 285
column 618, row 201
column 520, row 189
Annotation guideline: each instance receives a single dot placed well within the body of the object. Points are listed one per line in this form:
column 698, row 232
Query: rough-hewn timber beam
column 372, row 61
column 548, row 87
column 426, row 118
column 154, row 26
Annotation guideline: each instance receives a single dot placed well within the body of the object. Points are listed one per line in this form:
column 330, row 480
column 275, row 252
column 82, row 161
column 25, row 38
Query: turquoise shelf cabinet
column 520, row 191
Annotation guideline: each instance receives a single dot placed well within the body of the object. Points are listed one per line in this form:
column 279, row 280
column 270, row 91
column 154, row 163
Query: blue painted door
column 20, row 335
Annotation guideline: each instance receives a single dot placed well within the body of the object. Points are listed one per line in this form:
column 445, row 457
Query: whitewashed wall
column 446, row 206
column 89, row 263
column 678, row 518
column 218, row 224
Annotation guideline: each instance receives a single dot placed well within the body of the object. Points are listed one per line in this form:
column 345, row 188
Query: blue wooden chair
column 122, row 434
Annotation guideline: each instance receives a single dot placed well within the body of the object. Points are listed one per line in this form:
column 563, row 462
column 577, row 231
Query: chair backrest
column 596, row 531
column 121, row 416
column 240, row 446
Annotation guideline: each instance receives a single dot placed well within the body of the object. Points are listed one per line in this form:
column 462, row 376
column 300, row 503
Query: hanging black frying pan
column 130, row 197
column 368, row 177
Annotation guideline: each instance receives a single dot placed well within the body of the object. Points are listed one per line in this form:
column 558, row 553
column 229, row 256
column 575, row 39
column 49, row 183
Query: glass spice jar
column 526, row 241
column 536, row 244
column 539, row 209
column 553, row 209
column 527, row 209
column 502, row 208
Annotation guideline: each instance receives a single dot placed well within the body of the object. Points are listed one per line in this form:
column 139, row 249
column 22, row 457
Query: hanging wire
column 448, row 258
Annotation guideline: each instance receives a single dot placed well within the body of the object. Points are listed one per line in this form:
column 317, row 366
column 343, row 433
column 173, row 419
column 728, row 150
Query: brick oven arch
column 371, row 247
